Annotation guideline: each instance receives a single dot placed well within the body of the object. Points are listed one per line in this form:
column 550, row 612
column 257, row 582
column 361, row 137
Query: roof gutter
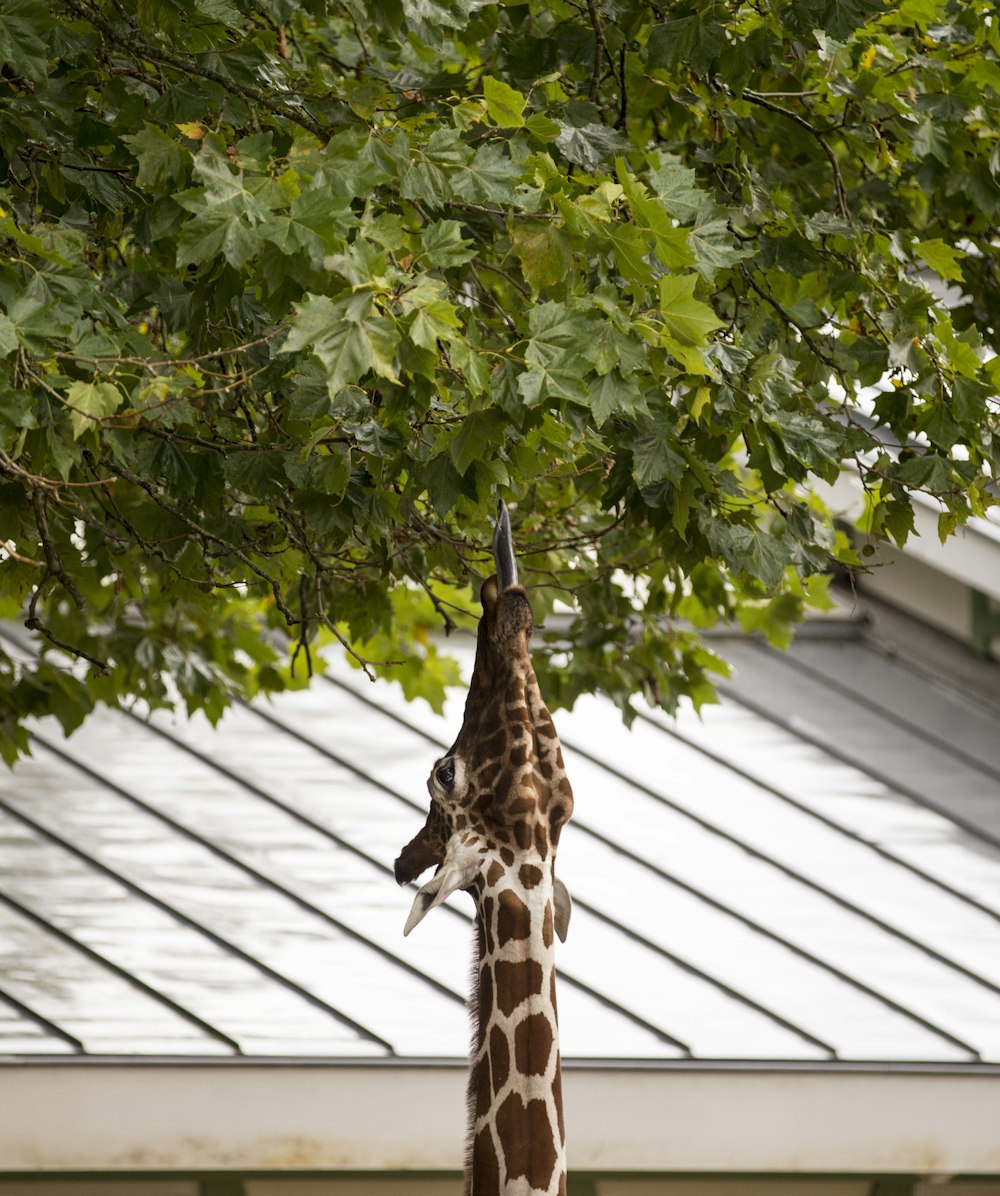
column 299, row 1117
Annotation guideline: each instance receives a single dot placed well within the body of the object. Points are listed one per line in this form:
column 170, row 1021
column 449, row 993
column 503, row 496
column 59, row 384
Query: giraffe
column 499, row 799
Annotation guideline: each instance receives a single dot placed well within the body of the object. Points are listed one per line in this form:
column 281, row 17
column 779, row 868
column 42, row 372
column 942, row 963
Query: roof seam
column 40, row 1019
column 925, row 734
column 96, row 956
column 824, row 819
column 177, row 914
column 875, row 774
column 867, row 916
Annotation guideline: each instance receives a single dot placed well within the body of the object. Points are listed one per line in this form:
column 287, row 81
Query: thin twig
column 204, row 534
column 54, row 566
column 600, row 48
column 33, row 623
column 838, row 180
column 328, row 623
column 142, row 49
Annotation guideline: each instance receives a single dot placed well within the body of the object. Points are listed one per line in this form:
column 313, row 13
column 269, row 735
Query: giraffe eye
column 445, row 773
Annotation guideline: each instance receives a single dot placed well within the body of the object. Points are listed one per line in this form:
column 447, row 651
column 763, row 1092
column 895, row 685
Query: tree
column 290, row 291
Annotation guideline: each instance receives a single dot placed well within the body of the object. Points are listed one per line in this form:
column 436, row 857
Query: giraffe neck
column 517, row 1139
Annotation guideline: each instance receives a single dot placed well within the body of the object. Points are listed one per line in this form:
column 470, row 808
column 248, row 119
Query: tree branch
column 54, row 566
column 189, row 66
column 838, row 179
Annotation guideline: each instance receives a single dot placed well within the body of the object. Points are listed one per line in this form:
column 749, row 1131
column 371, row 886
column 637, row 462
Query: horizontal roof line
column 923, row 1068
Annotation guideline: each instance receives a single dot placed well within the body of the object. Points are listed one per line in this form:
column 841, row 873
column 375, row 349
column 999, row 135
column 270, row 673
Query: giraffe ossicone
column 499, row 800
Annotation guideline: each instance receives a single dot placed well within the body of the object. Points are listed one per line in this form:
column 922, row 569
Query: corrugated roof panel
column 878, row 680
column 846, row 796
column 104, row 1010
column 796, row 840
column 22, row 1035
column 102, row 914
column 917, row 763
column 350, row 888
column 710, row 1022
column 789, row 903
column 852, row 1022
column 252, row 918
column 848, row 942
column 245, row 875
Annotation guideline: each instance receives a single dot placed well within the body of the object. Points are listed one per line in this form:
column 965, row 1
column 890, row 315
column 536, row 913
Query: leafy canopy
column 290, row 291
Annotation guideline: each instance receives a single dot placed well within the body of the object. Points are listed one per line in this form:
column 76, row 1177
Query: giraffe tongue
column 503, row 550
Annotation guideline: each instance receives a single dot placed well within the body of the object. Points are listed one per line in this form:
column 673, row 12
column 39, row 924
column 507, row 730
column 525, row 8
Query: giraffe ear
column 563, row 907
column 462, row 864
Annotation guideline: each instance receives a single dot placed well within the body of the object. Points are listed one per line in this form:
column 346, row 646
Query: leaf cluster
column 291, row 290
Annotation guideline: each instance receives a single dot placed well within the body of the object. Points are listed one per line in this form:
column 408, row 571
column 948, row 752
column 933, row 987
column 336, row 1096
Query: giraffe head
column 499, row 796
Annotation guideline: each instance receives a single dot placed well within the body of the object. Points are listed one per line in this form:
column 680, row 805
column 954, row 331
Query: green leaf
column 443, row 482
column 746, row 550
column 91, row 402
column 631, row 250
column 346, row 338
column 23, row 47
column 714, row 246
column 212, row 233
column 653, row 457
column 504, row 105
column 926, row 472
column 561, row 346
column 652, row 219
column 259, row 474
column 434, row 321
column 477, row 438
column 611, row 394
column 943, row 259
column 544, row 252
column 676, row 186
column 161, row 158
column 543, row 127
column 489, row 177
column 686, row 319
column 590, row 146
column 442, row 245
column 692, row 39
column 8, row 336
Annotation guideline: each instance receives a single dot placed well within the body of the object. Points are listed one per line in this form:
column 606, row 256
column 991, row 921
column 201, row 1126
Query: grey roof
column 809, row 872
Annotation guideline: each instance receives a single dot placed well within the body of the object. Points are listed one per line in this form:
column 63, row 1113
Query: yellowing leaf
column 91, row 402
column 686, row 319
column 867, row 58
column 942, row 258
column 543, row 252
column 700, row 400
column 504, row 105
column 192, row 129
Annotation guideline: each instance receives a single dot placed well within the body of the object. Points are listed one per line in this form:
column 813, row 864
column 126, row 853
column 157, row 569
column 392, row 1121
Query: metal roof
column 809, row 873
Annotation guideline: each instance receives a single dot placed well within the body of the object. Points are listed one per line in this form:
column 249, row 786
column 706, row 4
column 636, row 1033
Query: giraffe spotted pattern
column 517, row 1135
column 499, row 800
